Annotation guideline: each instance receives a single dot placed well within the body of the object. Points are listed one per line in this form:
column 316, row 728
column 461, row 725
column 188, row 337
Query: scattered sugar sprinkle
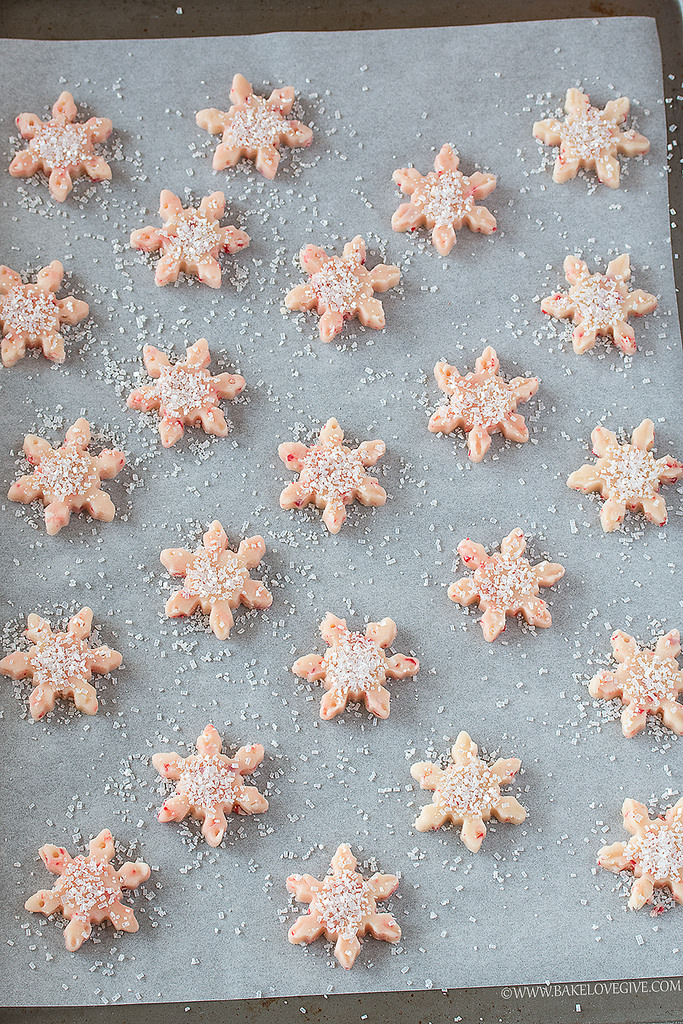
column 88, row 886
column 27, row 310
column 214, row 576
column 629, row 472
column 354, row 663
column 254, row 125
column 660, row 851
column 332, row 470
column 208, row 782
column 192, row 237
column 599, row 302
column 651, row 679
column 342, row 902
column 484, row 403
column 337, row 285
column 443, row 197
column 467, row 789
column 503, row 580
column 182, row 389
column 59, row 659
column 66, row 471
column 61, row 145
column 588, row 135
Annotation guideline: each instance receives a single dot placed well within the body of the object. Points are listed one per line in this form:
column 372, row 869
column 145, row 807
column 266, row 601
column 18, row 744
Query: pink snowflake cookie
column 467, row 792
column 627, row 476
column 647, row 682
column 217, row 579
column 31, row 315
column 210, row 785
column 185, row 394
column 190, row 240
column 68, row 479
column 254, row 128
column 599, row 304
column 654, row 853
column 340, row 287
column 63, row 148
column 482, row 403
column 61, row 664
column 332, row 475
column 88, row 890
column 444, row 200
column 343, row 907
column 355, row 666
column 590, row 138
column 504, row 583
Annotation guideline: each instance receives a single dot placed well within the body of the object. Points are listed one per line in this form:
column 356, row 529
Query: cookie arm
column 382, row 886
column 382, row 633
column 471, row 553
column 508, row 808
column 309, row 667
column 293, row 454
column 212, row 120
column 303, row 887
column 16, row 665
column 641, row 892
column 147, row 239
column 548, row 573
column 636, row 817
column 249, row 757
column 168, row 765
column 426, row 773
column 548, row 131
column 604, row 685
column 45, row 901
column 385, row 276
column 400, row 666
column 131, row 875
column 252, row 550
column 370, row 452
column 613, row 858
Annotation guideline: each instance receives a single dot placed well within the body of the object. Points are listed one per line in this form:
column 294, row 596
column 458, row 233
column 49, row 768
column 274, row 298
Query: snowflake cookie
column 31, row 315
column 627, row 476
column 482, row 403
column 647, row 682
column 355, row 668
column 444, row 200
column 61, row 664
column 185, row 394
column 88, row 891
column 467, row 792
column 63, row 148
column 190, row 240
column 68, row 479
column 217, row 579
column 254, row 128
column 654, row 854
column 504, row 583
column 211, row 785
column 599, row 304
column 332, row 475
column 343, row 907
column 590, row 138
column 340, row 287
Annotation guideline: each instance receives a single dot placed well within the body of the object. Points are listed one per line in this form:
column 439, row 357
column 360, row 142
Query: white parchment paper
column 532, row 905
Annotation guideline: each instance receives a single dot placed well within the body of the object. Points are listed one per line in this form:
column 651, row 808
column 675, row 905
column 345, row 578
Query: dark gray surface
column 438, row 1007
column 463, row 1006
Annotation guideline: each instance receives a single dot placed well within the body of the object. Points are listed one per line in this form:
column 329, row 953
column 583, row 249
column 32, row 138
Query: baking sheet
column 213, row 923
